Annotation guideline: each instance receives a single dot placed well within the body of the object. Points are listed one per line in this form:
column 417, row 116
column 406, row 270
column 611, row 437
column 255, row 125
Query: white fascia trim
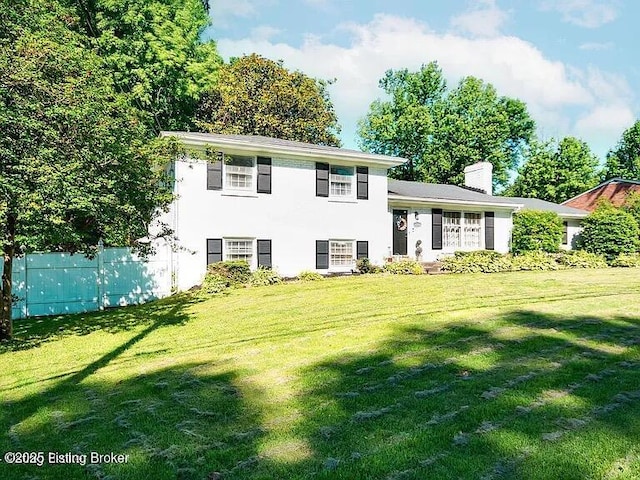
column 571, row 216
column 240, row 147
column 399, row 200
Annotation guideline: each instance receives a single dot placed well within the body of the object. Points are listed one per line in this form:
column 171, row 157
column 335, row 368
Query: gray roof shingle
column 441, row 191
column 537, row 204
column 438, row 191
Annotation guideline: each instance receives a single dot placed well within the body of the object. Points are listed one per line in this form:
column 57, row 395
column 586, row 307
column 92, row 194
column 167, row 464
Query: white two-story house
column 293, row 206
column 286, row 205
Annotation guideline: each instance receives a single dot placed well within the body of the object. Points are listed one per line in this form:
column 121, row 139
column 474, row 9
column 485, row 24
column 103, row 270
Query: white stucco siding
column 292, row 217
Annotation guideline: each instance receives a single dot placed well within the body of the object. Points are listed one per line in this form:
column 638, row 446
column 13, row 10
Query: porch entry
column 400, row 232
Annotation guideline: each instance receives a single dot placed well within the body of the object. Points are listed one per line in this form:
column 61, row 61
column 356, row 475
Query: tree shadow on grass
column 179, row 422
column 474, row 402
column 33, row 332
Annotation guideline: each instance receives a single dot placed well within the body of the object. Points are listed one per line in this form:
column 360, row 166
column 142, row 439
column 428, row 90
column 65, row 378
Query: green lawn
column 530, row 375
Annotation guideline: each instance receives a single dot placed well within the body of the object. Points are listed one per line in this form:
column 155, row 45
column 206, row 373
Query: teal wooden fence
column 56, row 283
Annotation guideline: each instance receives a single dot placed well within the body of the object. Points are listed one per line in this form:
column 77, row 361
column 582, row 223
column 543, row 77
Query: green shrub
column 364, row 265
column 404, row 267
column 632, row 205
column 236, row 272
column 485, row 261
column 536, row 231
column 626, row 260
column 609, row 231
column 309, row 276
column 264, row 276
column 534, row 261
column 581, row 259
column 213, row 284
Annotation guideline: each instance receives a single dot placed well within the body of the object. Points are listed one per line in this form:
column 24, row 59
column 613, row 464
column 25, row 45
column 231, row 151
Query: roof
column 537, row 204
column 453, row 194
column 441, row 193
column 267, row 145
column 615, row 190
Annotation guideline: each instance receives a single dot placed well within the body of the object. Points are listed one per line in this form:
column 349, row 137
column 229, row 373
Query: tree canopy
column 76, row 160
column 556, row 171
column 624, row 160
column 155, row 52
column 257, row 96
column 440, row 131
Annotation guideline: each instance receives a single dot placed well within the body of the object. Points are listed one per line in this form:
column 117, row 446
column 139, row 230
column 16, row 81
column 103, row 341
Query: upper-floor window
column 341, row 180
column 239, row 173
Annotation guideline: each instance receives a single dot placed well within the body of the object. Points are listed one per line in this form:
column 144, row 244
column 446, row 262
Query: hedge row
column 483, row 261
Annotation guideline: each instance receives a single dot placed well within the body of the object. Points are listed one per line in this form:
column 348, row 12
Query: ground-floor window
column 341, row 253
column 461, row 230
column 238, row 249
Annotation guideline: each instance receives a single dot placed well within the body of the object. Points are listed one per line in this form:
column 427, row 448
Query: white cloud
column 604, row 124
column 584, row 13
column 264, row 33
column 596, row 46
column 555, row 93
column 483, row 20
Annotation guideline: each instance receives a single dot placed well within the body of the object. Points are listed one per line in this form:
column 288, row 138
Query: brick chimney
column 479, row 175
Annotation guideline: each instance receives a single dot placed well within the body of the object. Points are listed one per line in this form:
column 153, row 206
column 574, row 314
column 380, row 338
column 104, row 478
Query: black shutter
column 322, row 179
column 362, row 249
column 362, row 174
column 214, row 250
column 322, row 254
column 264, row 175
column 565, row 228
column 264, row 253
column 489, row 221
column 436, row 229
column 214, row 173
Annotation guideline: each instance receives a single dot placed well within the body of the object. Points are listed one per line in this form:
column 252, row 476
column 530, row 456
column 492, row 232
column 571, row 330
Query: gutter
column 445, row 201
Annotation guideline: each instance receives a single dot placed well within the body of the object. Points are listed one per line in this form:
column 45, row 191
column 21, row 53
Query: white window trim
column 342, row 268
column 244, row 192
column 352, row 195
column 463, row 247
column 254, row 253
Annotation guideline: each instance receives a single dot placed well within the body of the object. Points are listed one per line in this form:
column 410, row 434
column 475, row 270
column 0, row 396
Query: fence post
column 101, row 294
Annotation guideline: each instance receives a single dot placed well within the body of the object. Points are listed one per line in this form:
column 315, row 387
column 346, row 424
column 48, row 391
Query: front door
column 400, row 232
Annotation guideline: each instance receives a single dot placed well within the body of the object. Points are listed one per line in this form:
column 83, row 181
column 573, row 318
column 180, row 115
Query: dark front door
column 400, row 232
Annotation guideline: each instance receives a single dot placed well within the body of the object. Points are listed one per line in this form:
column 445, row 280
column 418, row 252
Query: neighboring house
column 614, row 190
column 293, row 206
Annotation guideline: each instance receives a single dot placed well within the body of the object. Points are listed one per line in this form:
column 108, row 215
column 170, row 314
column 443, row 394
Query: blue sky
column 574, row 62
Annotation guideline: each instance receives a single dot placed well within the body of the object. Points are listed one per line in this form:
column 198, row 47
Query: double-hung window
column 451, row 222
column 461, row 230
column 341, row 180
column 239, row 249
column 340, row 253
column 471, row 231
column 239, row 172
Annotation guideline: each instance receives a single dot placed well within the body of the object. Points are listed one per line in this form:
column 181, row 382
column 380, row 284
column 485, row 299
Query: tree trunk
column 6, row 323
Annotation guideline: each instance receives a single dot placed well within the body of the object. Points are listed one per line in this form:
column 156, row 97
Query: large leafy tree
column 440, row 131
column 556, row 171
column 624, row 160
column 76, row 162
column 154, row 50
column 257, row 96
